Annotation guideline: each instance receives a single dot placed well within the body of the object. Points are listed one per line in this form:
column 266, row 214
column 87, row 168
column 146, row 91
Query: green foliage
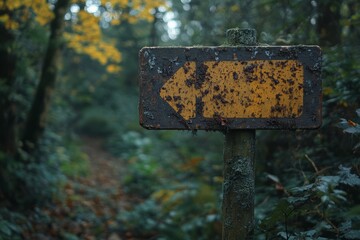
column 188, row 211
column 141, row 177
column 179, row 181
column 342, row 79
column 154, row 157
column 321, row 206
column 73, row 161
column 96, row 122
column 11, row 224
column 32, row 179
column 325, row 207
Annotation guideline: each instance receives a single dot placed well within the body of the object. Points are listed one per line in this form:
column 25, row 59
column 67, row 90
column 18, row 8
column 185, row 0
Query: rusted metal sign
column 215, row 88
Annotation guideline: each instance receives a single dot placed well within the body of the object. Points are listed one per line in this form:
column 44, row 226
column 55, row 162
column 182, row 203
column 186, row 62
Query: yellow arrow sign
column 237, row 89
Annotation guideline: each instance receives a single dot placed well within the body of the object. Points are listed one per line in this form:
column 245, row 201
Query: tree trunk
column 153, row 34
column 7, row 82
column 354, row 8
column 328, row 24
column 37, row 116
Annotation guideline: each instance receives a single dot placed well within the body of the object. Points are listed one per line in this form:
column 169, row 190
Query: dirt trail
column 88, row 207
column 106, row 170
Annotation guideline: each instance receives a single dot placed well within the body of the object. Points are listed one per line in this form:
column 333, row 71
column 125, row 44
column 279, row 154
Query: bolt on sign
column 217, row 88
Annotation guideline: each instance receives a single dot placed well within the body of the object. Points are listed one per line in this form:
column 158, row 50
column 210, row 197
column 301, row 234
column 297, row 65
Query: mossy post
column 239, row 172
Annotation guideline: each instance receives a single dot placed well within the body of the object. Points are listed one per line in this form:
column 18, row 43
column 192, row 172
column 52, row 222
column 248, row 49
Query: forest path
column 106, row 170
column 105, row 178
column 88, row 206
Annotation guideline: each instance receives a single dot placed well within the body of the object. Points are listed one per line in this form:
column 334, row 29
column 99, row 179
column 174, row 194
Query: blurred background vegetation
column 74, row 163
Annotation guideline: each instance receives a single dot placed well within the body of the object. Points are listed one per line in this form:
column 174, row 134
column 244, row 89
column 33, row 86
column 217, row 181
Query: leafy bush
column 142, row 168
column 96, row 122
column 180, row 183
column 11, row 224
column 73, row 161
column 326, row 207
column 186, row 211
column 319, row 209
column 30, row 180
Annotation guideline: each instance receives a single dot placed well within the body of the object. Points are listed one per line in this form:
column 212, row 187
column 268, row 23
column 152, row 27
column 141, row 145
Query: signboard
column 219, row 88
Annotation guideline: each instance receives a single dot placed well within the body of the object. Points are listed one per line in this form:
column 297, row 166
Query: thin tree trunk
column 153, row 33
column 7, row 82
column 37, row 116
column 354, row 8
column 328, row 24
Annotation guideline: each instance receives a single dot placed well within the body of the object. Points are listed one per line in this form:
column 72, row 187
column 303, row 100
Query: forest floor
column 90, row 205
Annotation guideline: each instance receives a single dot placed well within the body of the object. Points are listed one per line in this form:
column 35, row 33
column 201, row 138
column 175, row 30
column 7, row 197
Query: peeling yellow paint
column 179, row 93
column 254, row 89
column 237, row 89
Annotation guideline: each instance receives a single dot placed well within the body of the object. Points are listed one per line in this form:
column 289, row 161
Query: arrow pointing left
column 180, row 92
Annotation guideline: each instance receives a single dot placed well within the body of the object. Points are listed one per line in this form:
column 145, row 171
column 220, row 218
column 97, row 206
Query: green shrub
column 11, row 224
column 73, row 161
column 31, row 180
column 96, row 122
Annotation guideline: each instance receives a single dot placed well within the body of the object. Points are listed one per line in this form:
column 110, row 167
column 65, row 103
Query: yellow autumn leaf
column 85, row 36
column 328, row 91
column 163, row 195
column 12, row 25
column 40, row 8
column 4, row 18
column 235, row 8
column 343, row 103
column 14, row 4
column 113, row 68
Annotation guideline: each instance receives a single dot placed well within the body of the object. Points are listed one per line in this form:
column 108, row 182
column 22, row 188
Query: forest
column 76, row 164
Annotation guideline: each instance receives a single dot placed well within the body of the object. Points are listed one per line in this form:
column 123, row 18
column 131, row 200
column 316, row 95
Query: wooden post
column 239, row 172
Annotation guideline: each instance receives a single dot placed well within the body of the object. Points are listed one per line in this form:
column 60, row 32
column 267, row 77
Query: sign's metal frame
column 159, row 64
